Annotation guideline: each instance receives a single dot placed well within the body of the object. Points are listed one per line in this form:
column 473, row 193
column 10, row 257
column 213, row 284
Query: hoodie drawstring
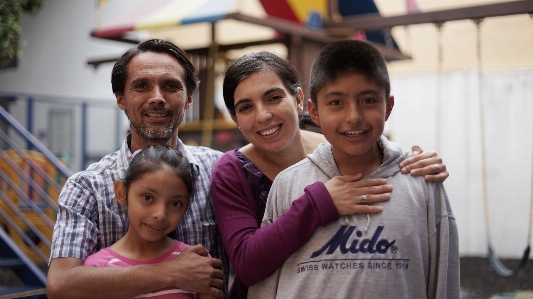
column 346, row 221
column 367, row 222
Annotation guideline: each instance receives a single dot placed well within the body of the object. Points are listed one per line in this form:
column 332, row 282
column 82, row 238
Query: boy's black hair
column 251, row 63
column 120, row 69
column 348, row 57
column 153, row 158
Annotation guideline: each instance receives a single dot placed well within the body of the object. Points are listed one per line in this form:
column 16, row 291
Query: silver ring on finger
column 437, row 168
column 364, row 199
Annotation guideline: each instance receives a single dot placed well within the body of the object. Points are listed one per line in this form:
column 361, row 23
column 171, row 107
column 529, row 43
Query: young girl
column 156, row 189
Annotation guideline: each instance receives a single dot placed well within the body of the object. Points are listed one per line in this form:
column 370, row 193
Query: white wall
column 507, row 62
column 54, row 61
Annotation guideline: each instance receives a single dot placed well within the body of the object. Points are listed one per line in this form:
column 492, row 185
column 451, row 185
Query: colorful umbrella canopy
column 161, row 14
column 154, row 14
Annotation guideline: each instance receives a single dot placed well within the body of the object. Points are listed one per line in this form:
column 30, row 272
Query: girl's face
column 157, row 202
column 266, row 112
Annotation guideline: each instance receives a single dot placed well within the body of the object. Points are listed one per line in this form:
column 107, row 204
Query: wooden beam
column 390, row 54
column 118, row 39
column 290, row 29
column 320, row 36
column 333, row 9
column 96, row 62
column 372, row 22
column 287, row 27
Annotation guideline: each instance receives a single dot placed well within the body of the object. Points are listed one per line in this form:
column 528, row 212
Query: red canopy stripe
column 279, row 9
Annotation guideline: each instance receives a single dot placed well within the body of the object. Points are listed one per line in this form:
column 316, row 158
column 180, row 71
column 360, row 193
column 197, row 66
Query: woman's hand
column 352, row 196
column 428, row 164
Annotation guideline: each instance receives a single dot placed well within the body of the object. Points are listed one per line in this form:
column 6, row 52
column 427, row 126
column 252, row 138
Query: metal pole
column 84, row 135
column 29, row 121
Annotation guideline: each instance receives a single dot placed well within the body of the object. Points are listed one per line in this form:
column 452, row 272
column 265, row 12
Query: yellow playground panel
column 17, row 168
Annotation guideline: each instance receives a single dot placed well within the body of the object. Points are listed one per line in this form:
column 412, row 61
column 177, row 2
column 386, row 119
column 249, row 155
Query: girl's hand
column 428, row 164
column 352, row 196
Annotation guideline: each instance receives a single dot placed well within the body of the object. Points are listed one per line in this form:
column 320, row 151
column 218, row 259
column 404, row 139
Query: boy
column 410, row 250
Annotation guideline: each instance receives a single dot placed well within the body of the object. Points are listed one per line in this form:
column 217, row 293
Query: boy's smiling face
column 352, row 111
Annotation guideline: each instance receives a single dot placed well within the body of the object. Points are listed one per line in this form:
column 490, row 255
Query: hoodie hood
column 322, row 157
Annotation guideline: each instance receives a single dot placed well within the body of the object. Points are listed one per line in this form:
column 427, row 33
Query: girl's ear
column 121, row 193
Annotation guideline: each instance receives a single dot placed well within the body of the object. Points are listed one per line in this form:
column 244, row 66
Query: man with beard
column 153, row 83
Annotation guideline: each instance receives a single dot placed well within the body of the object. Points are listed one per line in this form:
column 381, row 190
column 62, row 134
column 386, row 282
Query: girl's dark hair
column 152, row 158
column 251, row 63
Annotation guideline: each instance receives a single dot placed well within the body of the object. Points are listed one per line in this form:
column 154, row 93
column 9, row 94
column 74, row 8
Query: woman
column 262, row 94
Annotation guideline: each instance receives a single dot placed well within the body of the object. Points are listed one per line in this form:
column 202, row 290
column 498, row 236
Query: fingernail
column 404, row 170
column 413, row 172
column 415, row 153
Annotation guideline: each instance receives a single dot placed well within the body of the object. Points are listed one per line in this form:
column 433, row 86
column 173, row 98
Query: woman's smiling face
column 266, row 112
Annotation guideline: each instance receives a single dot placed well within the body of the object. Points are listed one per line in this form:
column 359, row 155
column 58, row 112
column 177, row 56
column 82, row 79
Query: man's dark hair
column 348, row 57
column 251, row 63
column 120, row 69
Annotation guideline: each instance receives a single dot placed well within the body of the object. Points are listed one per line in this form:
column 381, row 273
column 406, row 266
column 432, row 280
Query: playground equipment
column 30, row 182
column 29, row 190
column 495, row 262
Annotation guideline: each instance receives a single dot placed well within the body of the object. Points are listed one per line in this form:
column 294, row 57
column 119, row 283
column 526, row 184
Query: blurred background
column 461, row 73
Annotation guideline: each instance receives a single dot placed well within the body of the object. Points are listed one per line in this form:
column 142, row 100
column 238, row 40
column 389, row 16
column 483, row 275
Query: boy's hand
column 352, row 196
column 428, row 164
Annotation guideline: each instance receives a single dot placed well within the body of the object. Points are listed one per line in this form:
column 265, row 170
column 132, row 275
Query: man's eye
column 369, row 101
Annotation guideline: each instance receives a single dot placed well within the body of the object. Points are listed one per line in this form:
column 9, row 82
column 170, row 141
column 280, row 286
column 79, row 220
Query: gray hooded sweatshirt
column 410, row 250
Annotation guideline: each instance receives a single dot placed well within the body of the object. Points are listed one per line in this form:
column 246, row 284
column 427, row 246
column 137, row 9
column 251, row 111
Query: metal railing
column 30, row 183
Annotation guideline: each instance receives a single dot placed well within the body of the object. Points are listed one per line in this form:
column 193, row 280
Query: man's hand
column 193, row 271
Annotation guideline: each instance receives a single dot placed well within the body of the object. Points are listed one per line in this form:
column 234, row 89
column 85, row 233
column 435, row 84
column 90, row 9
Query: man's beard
column 154, row 133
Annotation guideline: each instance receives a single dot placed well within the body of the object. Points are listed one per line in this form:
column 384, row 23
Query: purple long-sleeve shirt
column 256, row 252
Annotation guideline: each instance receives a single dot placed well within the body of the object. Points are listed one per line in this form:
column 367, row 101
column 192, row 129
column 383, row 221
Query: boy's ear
column 313, row 112
column 390, row 105
column 120, row 193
